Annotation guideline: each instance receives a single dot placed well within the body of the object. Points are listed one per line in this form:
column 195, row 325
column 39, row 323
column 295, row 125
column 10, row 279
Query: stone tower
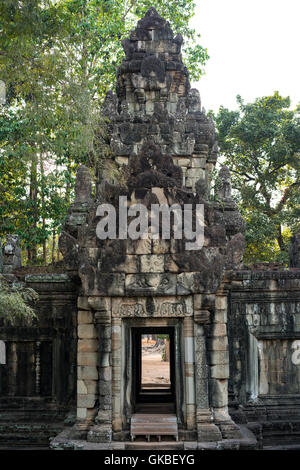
column 163, row 149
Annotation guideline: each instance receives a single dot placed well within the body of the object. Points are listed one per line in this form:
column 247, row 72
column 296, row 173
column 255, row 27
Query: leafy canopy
column 260, row 143
column 15, row 300
column 58, row 59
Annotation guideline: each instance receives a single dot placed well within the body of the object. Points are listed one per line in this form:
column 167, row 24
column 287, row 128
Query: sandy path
column 154, row 370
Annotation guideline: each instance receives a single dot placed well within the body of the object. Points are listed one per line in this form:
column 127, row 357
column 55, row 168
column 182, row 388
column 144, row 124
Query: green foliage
column 58, row 59
column 15, row 300
column 261, row 146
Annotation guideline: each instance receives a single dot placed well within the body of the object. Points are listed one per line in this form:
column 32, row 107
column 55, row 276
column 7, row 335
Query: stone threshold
column 246, row 442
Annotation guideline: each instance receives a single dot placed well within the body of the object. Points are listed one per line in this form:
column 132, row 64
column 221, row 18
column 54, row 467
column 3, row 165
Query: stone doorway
column 153, row 378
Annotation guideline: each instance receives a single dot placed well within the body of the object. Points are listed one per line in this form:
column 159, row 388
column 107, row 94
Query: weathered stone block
column 185, row 162
column 220, row 316
column 87, row 359
column 152, row 263
column 87, row 372
column 100, row 303
column 219, row 329
column 170, row 265
column 130, row 265
column 219, row 391
column 82, row 303
column 86, row 401
column 218, row 343
column 139, row 247
column 81, row 387
column 208, row 432
column 105, row 374
column 219, row 357
column 87, row 331
column 198, row 162
column 88, row 345
column 160, row 246
column 221, row 302
column 101, row 433
column 85, row 317
column 91, row 386
column 197, row 302
column 81, row 413
column 197, row 173
column 110, row 284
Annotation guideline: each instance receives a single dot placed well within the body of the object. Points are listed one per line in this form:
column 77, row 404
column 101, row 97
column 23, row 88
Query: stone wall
column 38, row 373
column 264, row 334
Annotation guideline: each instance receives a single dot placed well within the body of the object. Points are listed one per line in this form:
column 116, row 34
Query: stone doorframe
column 164, row 312
column 102, row 395
column 126, row 368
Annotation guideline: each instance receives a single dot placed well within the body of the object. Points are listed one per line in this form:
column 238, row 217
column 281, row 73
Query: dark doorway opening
column 153, row 367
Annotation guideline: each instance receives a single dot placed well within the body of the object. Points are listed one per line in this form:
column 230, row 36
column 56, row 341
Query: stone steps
column 28, row 433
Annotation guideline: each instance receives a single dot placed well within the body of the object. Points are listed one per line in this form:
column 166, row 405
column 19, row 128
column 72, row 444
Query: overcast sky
column 254, row 48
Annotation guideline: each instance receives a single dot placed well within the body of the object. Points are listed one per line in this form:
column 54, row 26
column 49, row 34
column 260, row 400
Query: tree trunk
column 53, row 245
column 43, row 204
column 33, row 198
column 279, row 238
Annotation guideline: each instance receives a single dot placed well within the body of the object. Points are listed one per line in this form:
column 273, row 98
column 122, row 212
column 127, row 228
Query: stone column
column 87, row 361
column 87, row 356
column 206, row 429
column 102, row 430
column 189, row 361
column 116, row 375
column 219, row 369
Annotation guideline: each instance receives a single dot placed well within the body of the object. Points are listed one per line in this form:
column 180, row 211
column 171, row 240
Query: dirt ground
column 154, row 370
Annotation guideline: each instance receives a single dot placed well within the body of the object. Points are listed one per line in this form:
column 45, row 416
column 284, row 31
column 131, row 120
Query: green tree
column 58, row 59
column 260, row 144
column 16, row 302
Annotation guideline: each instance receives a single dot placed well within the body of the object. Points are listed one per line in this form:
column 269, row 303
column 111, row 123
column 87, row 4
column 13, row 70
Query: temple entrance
column 153, row 366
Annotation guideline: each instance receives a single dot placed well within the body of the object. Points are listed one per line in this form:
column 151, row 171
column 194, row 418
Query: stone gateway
column 164, row 147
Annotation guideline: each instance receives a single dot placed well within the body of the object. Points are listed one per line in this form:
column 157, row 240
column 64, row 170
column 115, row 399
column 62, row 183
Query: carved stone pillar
column 102, row 431
column 219, row 369
column 116, row 375
column 189, row 361
column 206, row 429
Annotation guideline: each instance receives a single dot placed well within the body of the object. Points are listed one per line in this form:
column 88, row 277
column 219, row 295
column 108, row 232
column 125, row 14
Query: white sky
column 254, row 49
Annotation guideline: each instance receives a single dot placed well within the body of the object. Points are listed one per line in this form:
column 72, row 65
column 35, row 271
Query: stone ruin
column 235, row 369
column 164, row 149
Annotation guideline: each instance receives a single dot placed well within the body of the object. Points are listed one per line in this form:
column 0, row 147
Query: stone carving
column 68, row 246
column 129, row 310
column 294, row 251
column 11, row 254
column 173, row 309
column 149, row 284
column 83, row 185
column 164, row 309
column 224, row 185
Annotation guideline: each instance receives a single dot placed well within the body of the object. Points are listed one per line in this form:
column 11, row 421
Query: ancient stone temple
column 234, row 368
column 164, row 149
